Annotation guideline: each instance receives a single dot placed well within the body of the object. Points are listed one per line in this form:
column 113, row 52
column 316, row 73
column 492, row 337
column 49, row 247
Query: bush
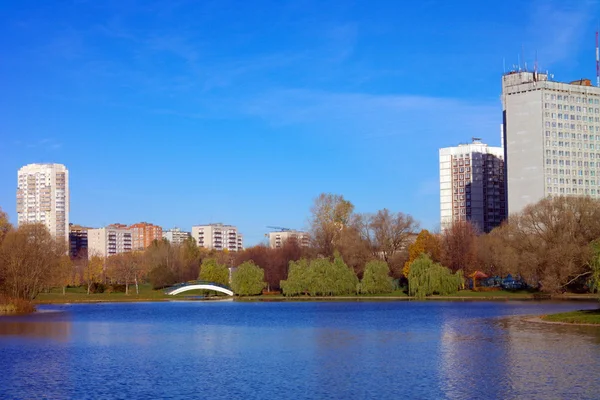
column 248, row 279
column 15, row 306
column 97, row 287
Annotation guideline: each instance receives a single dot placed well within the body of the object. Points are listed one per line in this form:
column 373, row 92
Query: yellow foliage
column 426, row 243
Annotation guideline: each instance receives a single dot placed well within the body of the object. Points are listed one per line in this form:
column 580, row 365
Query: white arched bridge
column 198, row 285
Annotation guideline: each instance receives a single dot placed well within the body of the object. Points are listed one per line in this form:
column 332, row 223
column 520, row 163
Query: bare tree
column 390, row 232
column 331, row 214
column 458, row 247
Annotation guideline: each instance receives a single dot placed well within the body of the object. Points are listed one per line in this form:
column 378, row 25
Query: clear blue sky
column 242, row 112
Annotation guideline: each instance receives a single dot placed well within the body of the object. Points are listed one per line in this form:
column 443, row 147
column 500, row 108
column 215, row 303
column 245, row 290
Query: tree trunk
column 126, row 288
column 137, row 289
column 89, row 285
column 64, row 290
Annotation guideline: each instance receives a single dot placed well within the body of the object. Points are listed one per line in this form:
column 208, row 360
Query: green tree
column 344, row 278
column 376, row 278
column 297, row 281
column 248, row 279
column 212, row 271
column 426, row 278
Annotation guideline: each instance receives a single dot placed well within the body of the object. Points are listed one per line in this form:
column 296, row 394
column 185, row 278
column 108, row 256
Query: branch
column 577, row 277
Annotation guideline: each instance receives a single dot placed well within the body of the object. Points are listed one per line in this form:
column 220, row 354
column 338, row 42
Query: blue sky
column 187, row 112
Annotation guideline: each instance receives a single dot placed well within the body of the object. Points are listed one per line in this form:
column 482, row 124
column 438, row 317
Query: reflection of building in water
column 472, row 356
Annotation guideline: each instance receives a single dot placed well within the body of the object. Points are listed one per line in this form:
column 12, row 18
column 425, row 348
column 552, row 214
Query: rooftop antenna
column 519, row 61
column 523, row 53
column 535, row 68
column 597, row 62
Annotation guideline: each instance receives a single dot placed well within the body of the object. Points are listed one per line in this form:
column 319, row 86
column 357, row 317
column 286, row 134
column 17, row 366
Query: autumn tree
column 330, row 215
column 212, row 271
column 376, row 278
column 5, row 225
column 425, row 243
column 125, row 269
column 552, row 239
column 248, row 279
column 29, row 256
column 93, row 270
column 390, row 232
column 63, row 276
column 458, row 246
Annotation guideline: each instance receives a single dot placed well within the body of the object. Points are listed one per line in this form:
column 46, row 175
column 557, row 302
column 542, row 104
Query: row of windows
column 557, row 190
column 578, row 127
column 561, row 153
column 571, row 99
column 578, row 145
column 573, row 136
column 554, row 106
column 585, row 164
column 568, row 181
column 556, row 171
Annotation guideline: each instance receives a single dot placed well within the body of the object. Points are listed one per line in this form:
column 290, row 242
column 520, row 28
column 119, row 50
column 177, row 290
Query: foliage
column 320, row 277
column 376, row 278
column 331, row 214
column 93, row 270
column 458, row 249
column 161, row 276
column 426, row 278
column 297, row 281
column 426, row 243
column 29, row 260
column 248, row 279
column 10, row 305
column 212, row 271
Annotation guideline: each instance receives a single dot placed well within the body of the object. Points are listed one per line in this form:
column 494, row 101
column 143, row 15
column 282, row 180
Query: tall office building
column 472, row 186
column 218, row 237
column 43, row 196
column 78, row 240
column 143, row 234
column 175, row 235
column 108, row 241
column 551, row 138
column 278, row 238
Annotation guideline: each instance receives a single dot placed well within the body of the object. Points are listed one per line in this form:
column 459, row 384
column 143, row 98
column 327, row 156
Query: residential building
column 218, row 237
column 143, row 234
column 108, row 241
column 472, row 186
column 551, row 138
column 78, row 240
column 43, row 196
column 175, row 235
column 277, row 238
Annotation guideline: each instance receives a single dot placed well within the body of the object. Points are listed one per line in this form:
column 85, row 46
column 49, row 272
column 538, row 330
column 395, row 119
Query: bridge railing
column 196, row 282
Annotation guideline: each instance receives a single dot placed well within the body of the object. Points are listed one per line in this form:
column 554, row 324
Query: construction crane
column 280, row 229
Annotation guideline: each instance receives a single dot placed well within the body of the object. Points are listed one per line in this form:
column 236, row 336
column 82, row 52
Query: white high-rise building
column 106, row 242
column 175, row 235
column 218, row 237
column 278, row 238
column 551, row 138
column 43, row 196
column 472, row 185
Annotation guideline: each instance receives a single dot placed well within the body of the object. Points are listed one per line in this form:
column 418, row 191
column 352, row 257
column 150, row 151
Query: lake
column 303, row 350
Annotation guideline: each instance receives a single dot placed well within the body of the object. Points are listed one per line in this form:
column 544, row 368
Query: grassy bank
column 146, row 293
column 575, row 317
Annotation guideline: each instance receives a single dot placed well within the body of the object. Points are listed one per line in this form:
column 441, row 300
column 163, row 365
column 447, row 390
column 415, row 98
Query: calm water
column 303, row 350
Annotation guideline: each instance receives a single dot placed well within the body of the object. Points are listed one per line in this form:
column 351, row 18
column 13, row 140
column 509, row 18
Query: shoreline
column 540, row 320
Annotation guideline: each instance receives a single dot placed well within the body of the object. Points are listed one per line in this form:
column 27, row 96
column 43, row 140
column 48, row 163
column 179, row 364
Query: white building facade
column 175, row 235
column 218, row 237
column 277, row 239
column 106, row 242
column 472, row 185
column 551, row 138
column 43, row 196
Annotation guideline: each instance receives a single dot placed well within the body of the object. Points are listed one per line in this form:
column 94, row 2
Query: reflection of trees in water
column 57, row 330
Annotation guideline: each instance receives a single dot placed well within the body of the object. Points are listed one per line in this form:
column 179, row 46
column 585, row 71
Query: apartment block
column 175, row 236
column 472, row 185
column 108, row 241
column 278, row 238
column 551, row 138
column 43, row 197
column 78, row 240
column 143, row 234
column 218, row 237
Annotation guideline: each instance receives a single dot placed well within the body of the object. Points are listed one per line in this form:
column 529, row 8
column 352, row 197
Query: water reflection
column 50, row 326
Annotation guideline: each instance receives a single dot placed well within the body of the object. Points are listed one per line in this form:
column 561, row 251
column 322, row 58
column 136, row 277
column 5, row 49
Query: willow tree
column 344, row 278
column 297, row 279
column 426, row 278
column 376, row 278
column 248, row 279
column 212, row 271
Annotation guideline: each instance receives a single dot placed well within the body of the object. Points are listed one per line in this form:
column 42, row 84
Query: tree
column 5, row 225
column 426, row 278
column 211, row 271
column 297, row 281
column 93, row 270
column 330, row 216
column 190, row 259
column 425, row 243
column 390, row 232
column 458, row 246
column 248, row 279
column 124, row 268
column 376, row 278
column 63, row 276
column 28, row 257
column 552, row 239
